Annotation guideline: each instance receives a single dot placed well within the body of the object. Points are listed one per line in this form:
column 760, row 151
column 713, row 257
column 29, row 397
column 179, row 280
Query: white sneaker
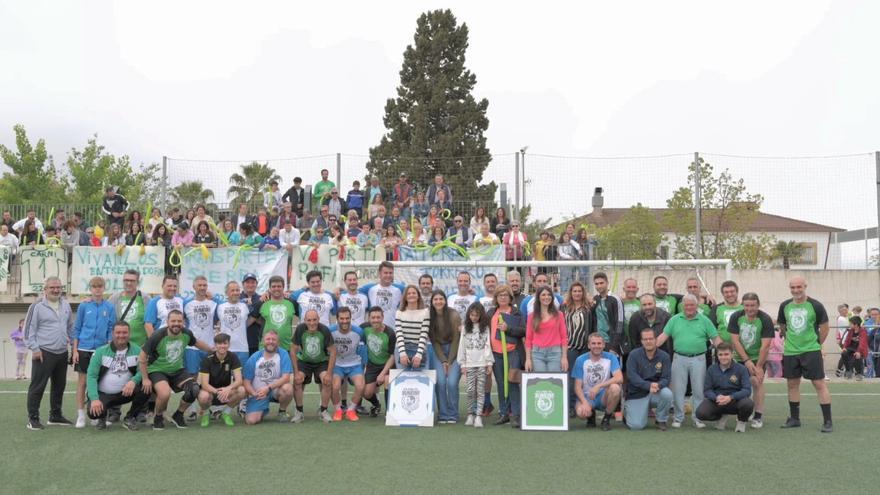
column 325, row 416
column 470, row 420
column 676, row 424
column 721, row 424
column 80, row 421
column 699, row 424
column 297, row 417
column 757, row 423
column 478, row 422
column 740, row 427
column 93, row 422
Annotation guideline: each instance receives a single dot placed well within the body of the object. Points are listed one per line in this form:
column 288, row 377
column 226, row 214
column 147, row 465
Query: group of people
column 640, row 353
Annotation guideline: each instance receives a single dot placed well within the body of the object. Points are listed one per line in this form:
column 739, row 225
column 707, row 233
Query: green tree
column 252, row 183
column 790, row 252
column 635, row 237
column 435, row 125
column 34, row 177
column 728, row 211
column 190, row 193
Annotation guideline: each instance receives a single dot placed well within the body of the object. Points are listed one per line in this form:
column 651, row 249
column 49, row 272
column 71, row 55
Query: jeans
column 52, row 366
column 684, row 367
column 567, row 276
column 411, row 350
column 547, row 359
column 447, row 387
column 507, row 405
column 573, row 354
column 710, row 411
column 636, row 410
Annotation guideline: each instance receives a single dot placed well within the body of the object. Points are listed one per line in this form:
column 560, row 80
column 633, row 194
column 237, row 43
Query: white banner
column 445, row 279
column 221, row 267
column 4, row 267
column 304, row 261
column 39, row 263
column 411, row 398
column 111, row 264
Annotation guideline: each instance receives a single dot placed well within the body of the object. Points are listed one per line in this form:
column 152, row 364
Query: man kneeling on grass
column 113, row 379
column 267, row 379
column 597, row 380
column 220, row 381
column 727, row 390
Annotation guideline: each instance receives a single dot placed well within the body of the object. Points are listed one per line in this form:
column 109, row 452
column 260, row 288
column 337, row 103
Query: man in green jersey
column 721, row 313
column 322, row 189
column 162, row 368
column 380, row 341
column 803, row 323
column 631, row 302
column 695, row 287
column 130, row 304
column 751, row 331
column 664, row 300
column 277, row 313
column 313, row 355
column 114, row 379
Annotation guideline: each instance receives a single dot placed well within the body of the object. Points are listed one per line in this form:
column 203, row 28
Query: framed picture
column 411, row 398
column 545, row 401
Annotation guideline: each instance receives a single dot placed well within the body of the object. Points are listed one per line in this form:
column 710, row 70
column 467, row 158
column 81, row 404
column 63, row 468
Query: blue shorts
column 596, row 403
column 192, row 359
column 348, row 371
column 260, row 405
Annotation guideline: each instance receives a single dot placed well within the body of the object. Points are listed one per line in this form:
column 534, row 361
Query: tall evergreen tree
column 435, row 125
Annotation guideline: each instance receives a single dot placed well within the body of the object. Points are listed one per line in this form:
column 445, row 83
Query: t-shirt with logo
column 380, row 345
column 158, row 309
column 134, row 318
column 702, row 308
column 220, row 371
column 630, row 308
column 488, row 303
column 118, row 372
column 322, row 302
column 357, row 303
column 801, row 325
column 165, row 351
column 233, row 322
column 592, row 373
column 278, row 316
column 461, row 304
column 348, row 345
column 720, row 316
column 666, row 303
column 263, row 370
column 314, row 347
column 200, row 319
column 388, row 298
column 751, row 332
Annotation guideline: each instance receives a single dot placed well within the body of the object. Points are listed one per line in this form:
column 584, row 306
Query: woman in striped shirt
column 576, row 309
column 411, row 326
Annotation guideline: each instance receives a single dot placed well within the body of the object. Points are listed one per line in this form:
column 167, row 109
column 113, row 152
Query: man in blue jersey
column 267, row 379
column 597, row 380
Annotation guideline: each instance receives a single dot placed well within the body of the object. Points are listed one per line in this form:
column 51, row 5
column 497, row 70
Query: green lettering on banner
column 111, row 264
column 327, row 263
column 4, row 268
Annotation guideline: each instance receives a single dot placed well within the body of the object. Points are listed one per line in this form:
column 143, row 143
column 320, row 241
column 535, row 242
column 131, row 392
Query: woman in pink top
column 546, row 336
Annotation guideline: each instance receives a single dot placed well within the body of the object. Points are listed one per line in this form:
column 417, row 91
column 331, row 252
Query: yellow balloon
column 99, row 232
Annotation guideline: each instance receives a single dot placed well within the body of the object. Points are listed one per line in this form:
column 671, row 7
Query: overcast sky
column 243, row 80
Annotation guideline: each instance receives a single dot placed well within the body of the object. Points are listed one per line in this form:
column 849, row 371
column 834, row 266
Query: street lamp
column 522, row 151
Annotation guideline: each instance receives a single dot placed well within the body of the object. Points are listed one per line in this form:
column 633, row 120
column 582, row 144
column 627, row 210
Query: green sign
column 545, row 401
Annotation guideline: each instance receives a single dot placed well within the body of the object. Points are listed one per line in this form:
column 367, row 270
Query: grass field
column 367, row 457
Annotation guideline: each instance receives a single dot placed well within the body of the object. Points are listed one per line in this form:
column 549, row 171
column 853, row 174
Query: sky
column 255, row 80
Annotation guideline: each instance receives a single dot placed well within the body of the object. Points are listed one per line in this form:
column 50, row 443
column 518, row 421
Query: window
column 809, row 256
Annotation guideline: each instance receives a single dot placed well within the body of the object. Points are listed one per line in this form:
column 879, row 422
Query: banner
column 544, row 401
column 445, row 279
column 304, row 261
column 39, row 263
column 104, row 262
column 410, row 398
column 222, row 266
column 4, row 268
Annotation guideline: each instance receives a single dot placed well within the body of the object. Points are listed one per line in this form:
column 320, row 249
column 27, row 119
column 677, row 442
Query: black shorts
column 312, row 369
column 808, row 365
column 85, row 357
column 176, row 380
column 372, row 372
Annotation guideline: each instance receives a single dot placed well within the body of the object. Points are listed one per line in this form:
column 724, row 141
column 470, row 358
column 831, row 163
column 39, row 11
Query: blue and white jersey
column 358, row 303
column 528, row 304
column 387, row 298
column 349, row 346
column 262, row 370
column 158, row 309
column 323, row 302
column 592, row 372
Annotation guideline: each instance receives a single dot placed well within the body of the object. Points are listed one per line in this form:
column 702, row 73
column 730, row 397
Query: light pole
column 523, row 153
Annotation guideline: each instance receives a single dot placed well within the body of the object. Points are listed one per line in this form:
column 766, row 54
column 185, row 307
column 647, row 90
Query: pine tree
column 435, row 125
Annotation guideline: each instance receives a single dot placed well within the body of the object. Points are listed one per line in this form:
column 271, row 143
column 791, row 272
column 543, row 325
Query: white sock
column 80, row 413
column 227, row 410
column 352, row 406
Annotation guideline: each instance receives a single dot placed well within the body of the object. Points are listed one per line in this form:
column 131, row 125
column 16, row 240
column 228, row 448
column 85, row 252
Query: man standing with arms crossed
column 803, row 324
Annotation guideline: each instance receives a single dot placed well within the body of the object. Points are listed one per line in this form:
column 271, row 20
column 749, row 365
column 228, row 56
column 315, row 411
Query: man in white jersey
column 490, row 281
column 200, row 314
column 233, row 318
column 386, row 294
column 267, row 379
column 353, row 299
column 348, row 339
column 156, row 314
column 314, row 298
column 463, row 299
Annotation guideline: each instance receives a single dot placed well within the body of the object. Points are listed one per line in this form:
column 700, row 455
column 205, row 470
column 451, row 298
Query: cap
column 249, row 276
column 403, row 174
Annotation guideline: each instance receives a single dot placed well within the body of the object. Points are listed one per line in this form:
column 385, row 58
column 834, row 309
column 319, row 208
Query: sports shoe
column 478, row 422
column 337, row 414
column 605, row 425
column 94, row 422
column 827, row 427
column 470, row 420
column 839, row 373
column 860, row 377
column 721, row 424
column 34, row 424
column 227, row 419
column 178, row 419
column 374, row 411
column 141, row 418
column 80, row 422
column 113, row 416
column 206, row 420
column 191, row 415
column 514, row 422
column 101, row 424
column 351, row 415
column 758, row 423
column 361, row 410
column 283, row 417
column 502, row 420
column 159, row 423
column 699, row 424
column 58, row 421
column 297, row 417
column 441, row 421
column 661, row 425
column 591, row 421
column 487, row 409
column 130, row 424
column 676, row 424
column 325, row 416
column 740, row 426
column 791, row 423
